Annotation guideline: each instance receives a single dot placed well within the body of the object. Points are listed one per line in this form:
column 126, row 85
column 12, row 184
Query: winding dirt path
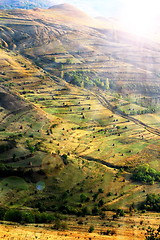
column 109, row 106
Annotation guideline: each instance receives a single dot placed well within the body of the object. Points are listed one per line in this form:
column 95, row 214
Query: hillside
column 79, row 112
column 129, row 63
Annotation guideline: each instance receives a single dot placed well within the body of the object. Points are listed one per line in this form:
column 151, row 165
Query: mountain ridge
column 69, row 9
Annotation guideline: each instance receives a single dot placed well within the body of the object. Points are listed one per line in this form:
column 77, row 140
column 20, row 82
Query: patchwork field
column 79, row 113
column 56, row 119
column 130, row 227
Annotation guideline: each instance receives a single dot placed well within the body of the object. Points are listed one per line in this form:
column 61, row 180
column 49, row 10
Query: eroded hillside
column 63, row 37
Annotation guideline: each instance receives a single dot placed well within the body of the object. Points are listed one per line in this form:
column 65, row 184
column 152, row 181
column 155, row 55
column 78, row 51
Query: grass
column 60, row 129
column 36, row 160
column 14, row 183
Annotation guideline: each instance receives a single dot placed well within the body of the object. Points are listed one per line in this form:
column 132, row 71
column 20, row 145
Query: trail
column 109, row 106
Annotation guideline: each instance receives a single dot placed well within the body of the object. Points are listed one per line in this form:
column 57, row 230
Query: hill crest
column 66, row 7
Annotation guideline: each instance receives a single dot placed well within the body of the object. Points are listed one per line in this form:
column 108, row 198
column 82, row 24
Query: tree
column 19, row 216
column 143, row 173
column 120, row 212
column 57, row 224
column 85, row 211
column 152, row 203
column 91, row 229
column 83, row 197
column 64, row 158
column 68, row 61
column 54, row 59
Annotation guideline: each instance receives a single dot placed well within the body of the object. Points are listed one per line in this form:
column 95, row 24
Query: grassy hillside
column 60, row 129
column 75, row 119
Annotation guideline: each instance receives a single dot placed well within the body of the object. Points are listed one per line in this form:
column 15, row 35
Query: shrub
column 13, row 215
column 64, row 158
column 100, row 203
column 27, row 217
column 44, row 217
column 120, row 212
column 91, row 229
column 59, row 225
column 83, row 198
column 85, row 211
column 100, row 190
column 95, row 211
column 152, row 203
column 152, row 234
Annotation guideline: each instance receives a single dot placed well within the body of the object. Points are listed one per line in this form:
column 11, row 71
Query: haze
column 136, row 16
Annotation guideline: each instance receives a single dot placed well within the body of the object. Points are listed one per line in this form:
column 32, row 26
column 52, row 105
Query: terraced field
column 72, row 148
column 56, row 119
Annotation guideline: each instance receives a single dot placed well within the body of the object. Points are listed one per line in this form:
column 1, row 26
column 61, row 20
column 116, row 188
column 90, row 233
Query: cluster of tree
column 6, row 171
column 25, row 216
column 119, row 213
column 80, row 211
column 108, row 232
column 85, row 79
column 152, row 203
column 146, row 174
column 140, row 112
column 115, row 86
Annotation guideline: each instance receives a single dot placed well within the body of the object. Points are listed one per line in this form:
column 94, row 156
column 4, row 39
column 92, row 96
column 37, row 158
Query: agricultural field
column 64, row 120
column 79, row 139
column 129, row 227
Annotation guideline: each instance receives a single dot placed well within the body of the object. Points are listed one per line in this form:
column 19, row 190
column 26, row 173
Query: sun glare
column 139, row 16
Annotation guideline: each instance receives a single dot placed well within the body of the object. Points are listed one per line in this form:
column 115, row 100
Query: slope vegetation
column 77, row 115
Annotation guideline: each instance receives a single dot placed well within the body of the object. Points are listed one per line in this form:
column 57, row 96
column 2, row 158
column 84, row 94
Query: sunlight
column 139, row 16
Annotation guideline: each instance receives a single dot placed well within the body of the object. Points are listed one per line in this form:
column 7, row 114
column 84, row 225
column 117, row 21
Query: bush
column 83, row 198
column 59, row 225
column 152, row 234
column 120, row 212
column 27, row 217
column 100, row 190
column 44, row 217
column 13, row 215
column 152, row 203
column 85, row 211
column 109, row 232
column 100, row 203
column 91, row 229
column 64, row 158
column 95, row 211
